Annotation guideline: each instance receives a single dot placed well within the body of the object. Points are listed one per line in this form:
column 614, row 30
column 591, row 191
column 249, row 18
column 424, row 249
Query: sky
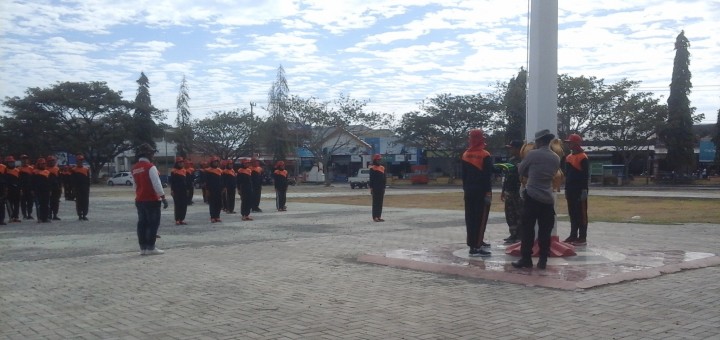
column 391, row 53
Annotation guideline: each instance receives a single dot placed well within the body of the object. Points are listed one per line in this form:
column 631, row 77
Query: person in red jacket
column 3, row 193
column 577, row 177
column 377, row 184
column 149, row 194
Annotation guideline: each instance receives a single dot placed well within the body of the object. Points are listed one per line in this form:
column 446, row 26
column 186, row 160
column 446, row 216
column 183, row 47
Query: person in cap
column 510, row 194
column 27, row 200
column 178, row 190
column 257, row 171
column 229, row 177
column 377, row 183
column 245, row 187
column 577, row 178
column 280, row 181
column 55, row 186
column 190, row 180
column 3, row 193
column 14, row 193
column 149, row 196
column 539, row 166
column 41, row 190
column 81, row 187
column 215, row 188
column 477, row 174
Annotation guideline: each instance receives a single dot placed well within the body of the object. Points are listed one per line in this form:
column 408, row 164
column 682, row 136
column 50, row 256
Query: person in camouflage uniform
column 511, row 192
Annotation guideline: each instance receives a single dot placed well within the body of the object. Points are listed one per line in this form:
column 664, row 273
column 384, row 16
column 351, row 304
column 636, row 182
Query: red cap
column 574, row 138
column 40, row 161
column 377, row 157
column 50, row 158
column 279, row 164
column 9, row 159
column 179, row 159
column 214, row 158
column 80, row 157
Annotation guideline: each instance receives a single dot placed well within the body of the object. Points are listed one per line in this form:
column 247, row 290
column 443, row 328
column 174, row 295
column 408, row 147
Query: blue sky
column 393, row 53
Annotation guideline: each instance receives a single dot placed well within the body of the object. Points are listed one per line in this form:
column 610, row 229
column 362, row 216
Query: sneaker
column 155, row 251
column 55, row 218
column 579, row 242
column 570, row 239
column 485, row 245
column 511, row 240
column 479, row 252
column 522, row 264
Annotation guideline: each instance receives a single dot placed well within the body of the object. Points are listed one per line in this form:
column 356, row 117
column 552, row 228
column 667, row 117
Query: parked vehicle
column 121, row 178
column 360, row 180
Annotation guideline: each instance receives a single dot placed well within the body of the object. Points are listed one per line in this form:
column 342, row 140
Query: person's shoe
column 570, row 239
column 80, row 218
column 16, row 220
column 511, row 240
column 183, row 223
column 55, row 218
column 143, row 252
column 375, row 219
column 485, row 245
column 213, row 220
column 3, row 223
column 542, row 263
column 177, row 222
column 479, row 252
column 155, row 251
column 380, row 220
column 522, row 264
column 579, row 242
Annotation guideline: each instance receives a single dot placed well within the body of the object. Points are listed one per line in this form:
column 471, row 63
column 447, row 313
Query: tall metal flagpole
column 542, row 69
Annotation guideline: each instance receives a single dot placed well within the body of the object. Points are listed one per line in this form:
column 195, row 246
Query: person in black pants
column 539, row 167
column 247, row 197
column 280, row 181
column 377, row 187
column 256, row 184
column 190, row 180
column 213, row 182
column 577, row 177
column 178, row 190
column 81, row 188
column 40, row 181
column 477, row 173
column 229, row 177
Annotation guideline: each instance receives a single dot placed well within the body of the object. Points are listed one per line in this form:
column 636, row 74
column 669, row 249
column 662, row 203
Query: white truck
column 360, row 180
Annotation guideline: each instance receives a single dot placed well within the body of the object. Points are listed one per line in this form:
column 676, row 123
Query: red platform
column 557, row 248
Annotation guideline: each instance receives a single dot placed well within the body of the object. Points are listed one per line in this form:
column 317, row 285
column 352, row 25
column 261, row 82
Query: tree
column 184, row 134
column 443, row 123
column 677, row 133
column 514, row 101
column 632, row 123
column 580, row 104
column 326, row 128
column 87, row 118
column 145, row 113
column 227, row 135
column 276, row 127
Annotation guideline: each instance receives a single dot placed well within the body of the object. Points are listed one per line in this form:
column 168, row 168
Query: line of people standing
column 38, row 187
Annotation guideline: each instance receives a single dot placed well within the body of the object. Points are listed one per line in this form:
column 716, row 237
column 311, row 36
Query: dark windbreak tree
column 184, row 134
column 145, row 114
column 677, row 133
column 275, row 130
column 515, row 106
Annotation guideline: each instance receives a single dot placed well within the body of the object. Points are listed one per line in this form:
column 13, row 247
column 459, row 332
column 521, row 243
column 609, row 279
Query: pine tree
column 145, row 127
column 184, row 136
column 277, row 125
column 677, row 133
column 515, row 102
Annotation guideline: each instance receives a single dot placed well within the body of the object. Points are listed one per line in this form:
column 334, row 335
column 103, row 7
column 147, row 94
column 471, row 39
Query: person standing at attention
column 577, row 176
column 213, row 181
column 81, row 188
column 477, row 173
column 539, row 167
column 149, row 194
column 178, row 190
column 377, row 187
column 280, row 181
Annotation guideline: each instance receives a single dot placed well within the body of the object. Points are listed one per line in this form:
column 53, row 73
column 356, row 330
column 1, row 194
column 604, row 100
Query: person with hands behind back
column 149, row 195
column 477, row 173
column 377, row 187
column 577, row 177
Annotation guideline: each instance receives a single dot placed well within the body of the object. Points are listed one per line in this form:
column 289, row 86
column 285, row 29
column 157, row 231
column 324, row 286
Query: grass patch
column 656, row 210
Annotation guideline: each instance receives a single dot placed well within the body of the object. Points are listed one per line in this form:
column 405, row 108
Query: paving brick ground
column 294, row 275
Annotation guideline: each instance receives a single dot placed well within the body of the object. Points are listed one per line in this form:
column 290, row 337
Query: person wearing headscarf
column 213, row 182
column 55, row 186
column 149, row 195
column 477, row 172
column 577, row 178
column 280, row 181
column 40, row 181
column 245, row 187
column 81, row 188
column 377, row 183
column 178, row 190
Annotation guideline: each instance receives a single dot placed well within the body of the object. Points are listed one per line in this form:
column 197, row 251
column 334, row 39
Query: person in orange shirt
column 26, row 201
column 190, row 180
column 81, row 186
column 247, row 197
column 40, row 181
column 213, row 181
column 377, row 185
column 178, row 190
column 55, row 186
column 257, row 171
column 477, row 173
column 577, row 178
column 229, row 179
column 14, row 193
column 280, row 181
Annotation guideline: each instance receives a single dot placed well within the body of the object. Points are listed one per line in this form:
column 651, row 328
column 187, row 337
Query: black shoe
column 542, row 264
column 522, row 264
column 485, row 245
column 479, row 252
column 570, row 239
column 511, row 240
column 85, row 218
column 55, row 218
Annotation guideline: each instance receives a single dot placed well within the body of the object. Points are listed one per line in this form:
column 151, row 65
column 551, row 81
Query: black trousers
column 26, row 203
column 13, row 202
column 190, row 193
column 247, row 200
column 544, row 215
column 55, row 194
column 577, row 211
column 280, row 198
column 257, row 191
column 476, row 218
column 43, row 206
column 215, row 202
column 378, row 195
column 180, row 204
column 229, row 200
column 82, row 201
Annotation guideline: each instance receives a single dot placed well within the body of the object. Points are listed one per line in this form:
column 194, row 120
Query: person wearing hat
column 377, row 183
column 539, row 166
column 27, row 200
column 149, row 195
column 55, row 186
column 245, row 187
column 280, row 181
column 190, row 180
column 510, row 194
column 214, row 184
column 229, row 178
column 3, row 193
column 577, row 178
column 14, row 193
column 477, row 174
column 41, row 190
column 81, row 187
column 257, row 171
column 178, row 190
